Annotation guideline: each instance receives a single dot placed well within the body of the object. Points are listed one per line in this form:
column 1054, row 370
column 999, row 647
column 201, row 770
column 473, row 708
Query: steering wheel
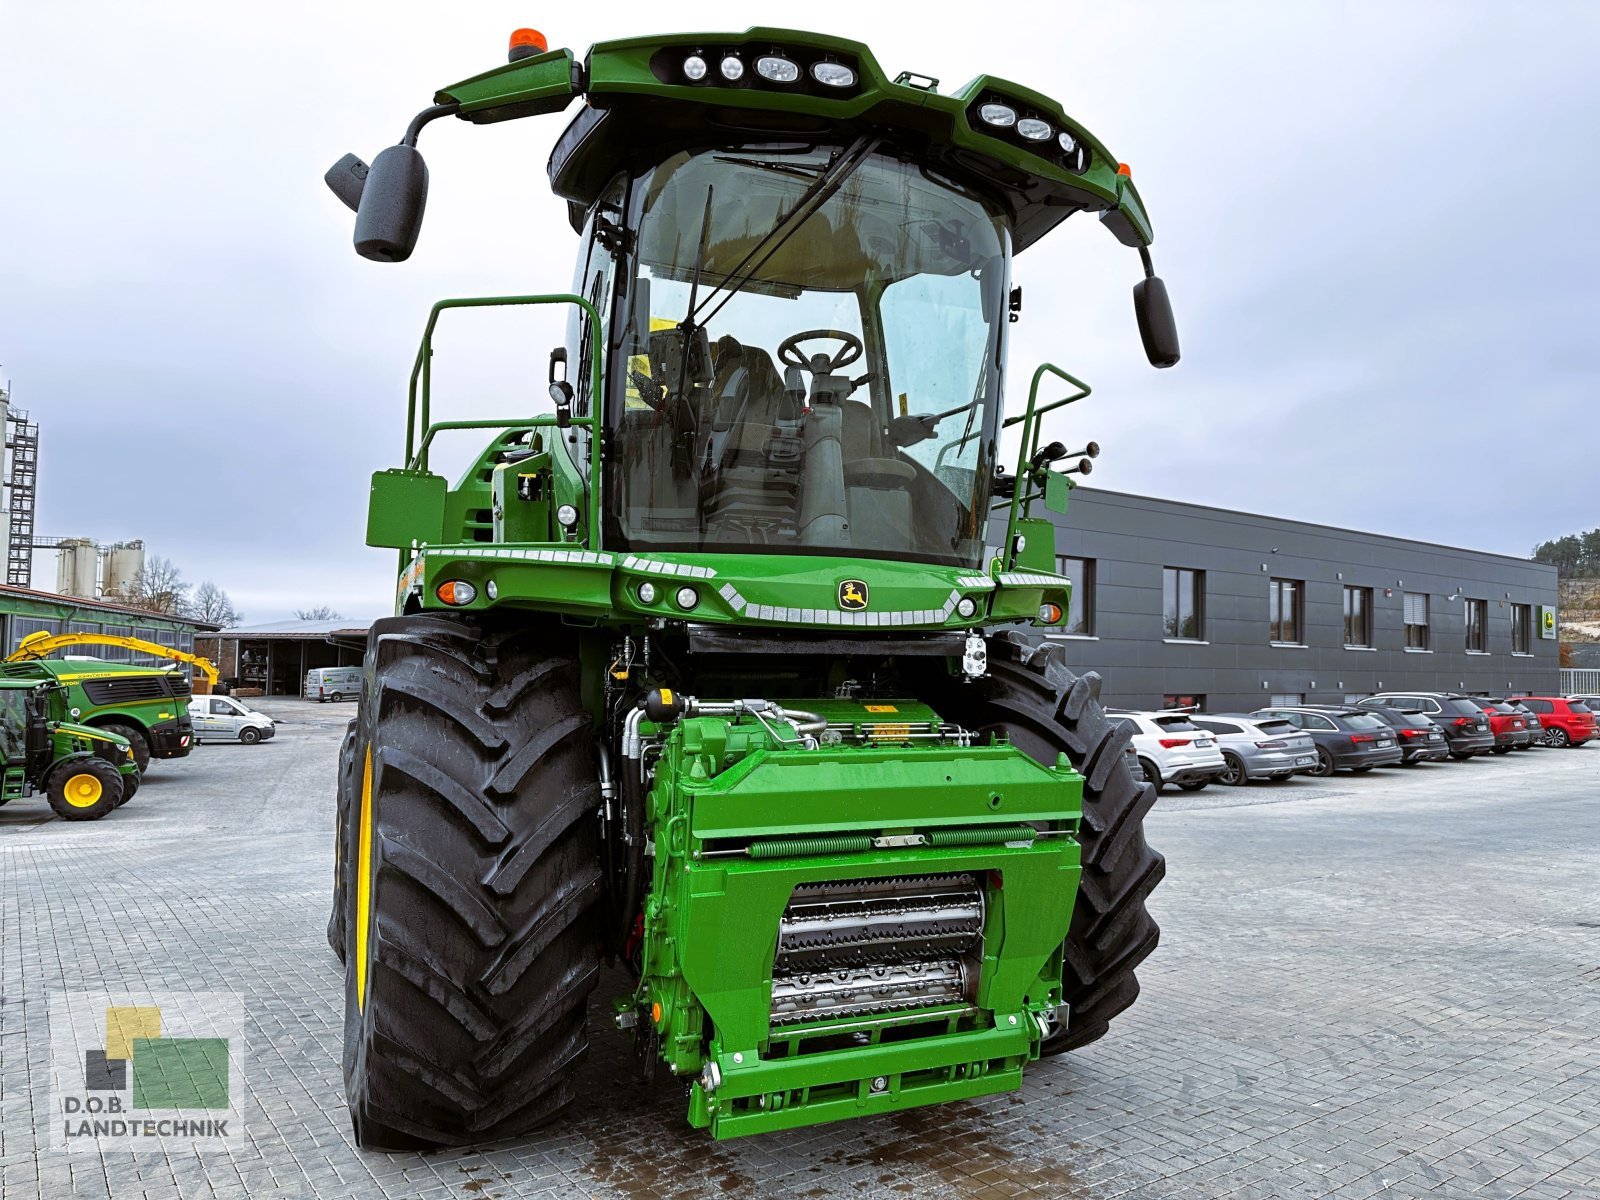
column 790, row 356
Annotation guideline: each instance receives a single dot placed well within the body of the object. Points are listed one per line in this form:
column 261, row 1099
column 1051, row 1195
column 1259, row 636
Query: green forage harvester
column 720, row 669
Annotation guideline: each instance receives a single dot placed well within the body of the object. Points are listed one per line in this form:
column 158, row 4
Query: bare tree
column 320, row 613
column 158, row 587
column 211, row 604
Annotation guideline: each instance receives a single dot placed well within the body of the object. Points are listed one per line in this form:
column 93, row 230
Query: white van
column 224, row 719
column 333, row 683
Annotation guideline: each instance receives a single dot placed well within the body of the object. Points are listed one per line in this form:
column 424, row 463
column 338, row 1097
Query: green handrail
column 422, row 371
column 1032, row 419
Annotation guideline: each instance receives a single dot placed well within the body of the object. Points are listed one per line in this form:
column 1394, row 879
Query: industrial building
column 273, row 659
column 1178, row 604
column 24, row 611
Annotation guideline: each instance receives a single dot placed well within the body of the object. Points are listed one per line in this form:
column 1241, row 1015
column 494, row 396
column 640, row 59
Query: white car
column 1172, row 748
column 224, row 719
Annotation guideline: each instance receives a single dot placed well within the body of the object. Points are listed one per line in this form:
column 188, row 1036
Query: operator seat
column 748, row 476
column 877, row 485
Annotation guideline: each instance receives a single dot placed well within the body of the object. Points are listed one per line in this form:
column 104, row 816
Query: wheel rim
column 1232, row 771
column 83, row 791
column 1324, row 764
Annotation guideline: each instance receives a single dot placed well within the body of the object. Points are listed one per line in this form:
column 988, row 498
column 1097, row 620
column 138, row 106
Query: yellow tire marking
column 364, row 882
column 83, row 791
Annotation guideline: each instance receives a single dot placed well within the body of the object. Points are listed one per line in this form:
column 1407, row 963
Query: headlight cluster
column 745, row 67
column 1002, row 116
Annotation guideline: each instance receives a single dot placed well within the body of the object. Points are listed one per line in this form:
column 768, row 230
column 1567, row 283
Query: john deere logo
column 852, row 595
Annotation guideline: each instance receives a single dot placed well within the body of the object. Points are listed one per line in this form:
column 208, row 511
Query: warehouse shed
column 272, row 659
column 24, row 611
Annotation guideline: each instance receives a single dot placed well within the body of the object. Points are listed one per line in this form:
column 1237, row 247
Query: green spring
column 796, row 847
column 982, row 836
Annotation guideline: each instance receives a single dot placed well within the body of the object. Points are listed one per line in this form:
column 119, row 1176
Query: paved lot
column 1380, row 986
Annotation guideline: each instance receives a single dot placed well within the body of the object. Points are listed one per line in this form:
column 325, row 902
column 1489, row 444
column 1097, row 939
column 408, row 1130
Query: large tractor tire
column 474, row 935
column 136, row 740
column 343, row 790
column 84, row 789
column 1030, row 696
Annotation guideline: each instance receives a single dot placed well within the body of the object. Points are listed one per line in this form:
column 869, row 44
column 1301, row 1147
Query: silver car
column 1259, row 747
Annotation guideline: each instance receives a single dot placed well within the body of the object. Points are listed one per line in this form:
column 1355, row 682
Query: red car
column 1510, row 727
column 1565, row 722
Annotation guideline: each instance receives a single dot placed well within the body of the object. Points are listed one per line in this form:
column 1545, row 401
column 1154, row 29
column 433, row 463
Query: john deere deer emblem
column 852, row 595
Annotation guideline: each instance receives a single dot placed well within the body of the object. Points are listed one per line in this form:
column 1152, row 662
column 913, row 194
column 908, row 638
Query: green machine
column 84, row 772
column 723, row 673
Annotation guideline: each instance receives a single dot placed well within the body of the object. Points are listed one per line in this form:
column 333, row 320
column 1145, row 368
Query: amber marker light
column 456, row 592
column 525, row 43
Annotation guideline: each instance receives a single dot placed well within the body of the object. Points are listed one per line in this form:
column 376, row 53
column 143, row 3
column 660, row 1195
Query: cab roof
column 641, row 106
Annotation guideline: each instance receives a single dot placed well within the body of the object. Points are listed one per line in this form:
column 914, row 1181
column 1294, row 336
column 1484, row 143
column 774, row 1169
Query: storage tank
column 124, row 561
column 77, row 567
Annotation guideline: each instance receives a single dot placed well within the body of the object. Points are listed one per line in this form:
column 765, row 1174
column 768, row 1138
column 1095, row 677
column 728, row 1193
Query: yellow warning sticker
column 880, row 708
column 666, row 695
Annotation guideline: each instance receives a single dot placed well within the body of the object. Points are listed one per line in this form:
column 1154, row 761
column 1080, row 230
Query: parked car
column 1348, row 739
column 1510, row 727
column 1564, row 722
column 1465, row 725
column 1172, row 748
column 1592, row 703
column 1535, row 731
column 1420, row 739
column 224, row 719
column 1258, row 748
column 333, row 683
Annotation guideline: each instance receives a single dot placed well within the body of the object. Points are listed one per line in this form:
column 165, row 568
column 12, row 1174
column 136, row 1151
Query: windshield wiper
column 829, row 181
column 766, row 164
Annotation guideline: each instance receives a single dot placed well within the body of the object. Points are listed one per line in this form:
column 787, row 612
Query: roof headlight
column 1067, row 142
column 694, row 67
column 1002, row 115
column 1034, row 129
column 833, row 74
column 777, row 69
column 732, row 68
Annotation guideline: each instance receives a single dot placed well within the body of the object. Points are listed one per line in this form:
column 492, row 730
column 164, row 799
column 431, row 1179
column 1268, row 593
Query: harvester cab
column 84, row 772
column 712, row 670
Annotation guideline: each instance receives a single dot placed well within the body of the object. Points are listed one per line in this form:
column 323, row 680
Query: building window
column 1357, row 616
column 1182, row 597
column 1287, row 609
column 1192, row 700
column 1478, row 625
column 1080, row 618
column 1415, row 616
column 1287, row 699
column 1521, row 629
column 21, row 627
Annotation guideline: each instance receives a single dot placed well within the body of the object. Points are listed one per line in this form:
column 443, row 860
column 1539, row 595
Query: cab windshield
column 811, row 357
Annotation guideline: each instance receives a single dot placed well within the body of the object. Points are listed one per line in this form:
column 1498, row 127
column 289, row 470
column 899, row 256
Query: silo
column 77, row 566
column 124, row 561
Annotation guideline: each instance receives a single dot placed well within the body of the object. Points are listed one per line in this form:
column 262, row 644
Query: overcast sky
column 1376, row 221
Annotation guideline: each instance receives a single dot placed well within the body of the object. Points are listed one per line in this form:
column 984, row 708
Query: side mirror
column 346, row 179
column 1157, row 329
column 391, row 205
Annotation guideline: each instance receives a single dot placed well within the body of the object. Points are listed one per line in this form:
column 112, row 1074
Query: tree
column 320, row 613
column 211, row 604
column 1576, row 556
column 158, row 587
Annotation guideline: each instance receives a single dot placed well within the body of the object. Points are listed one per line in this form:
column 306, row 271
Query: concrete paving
column 1379, row 986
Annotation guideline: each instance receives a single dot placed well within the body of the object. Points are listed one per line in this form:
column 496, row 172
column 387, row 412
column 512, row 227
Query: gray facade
column 1236, row 663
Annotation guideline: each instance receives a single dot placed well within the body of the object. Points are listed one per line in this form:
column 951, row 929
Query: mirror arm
column 1149, row 267
column 431, row 113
